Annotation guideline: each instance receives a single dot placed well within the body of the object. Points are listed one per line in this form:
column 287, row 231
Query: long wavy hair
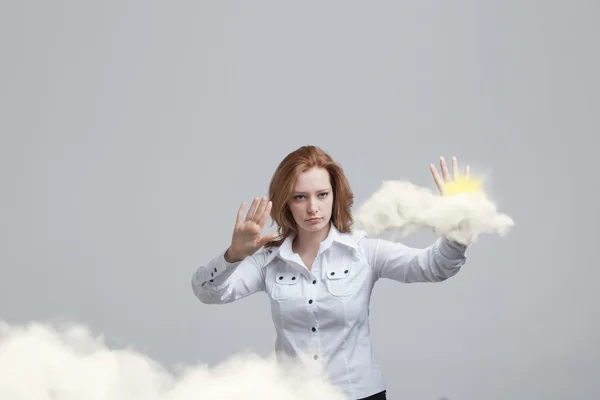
column 283, row 183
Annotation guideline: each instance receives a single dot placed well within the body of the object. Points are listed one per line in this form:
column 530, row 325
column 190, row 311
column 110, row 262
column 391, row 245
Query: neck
column 306, row 240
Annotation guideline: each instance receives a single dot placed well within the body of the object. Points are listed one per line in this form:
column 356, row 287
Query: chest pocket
column 286, row 285
column 339, row 279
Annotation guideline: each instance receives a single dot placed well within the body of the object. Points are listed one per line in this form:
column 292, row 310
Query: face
column 312, row 200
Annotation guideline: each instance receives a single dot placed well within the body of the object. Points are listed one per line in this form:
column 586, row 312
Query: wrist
column 232, row 257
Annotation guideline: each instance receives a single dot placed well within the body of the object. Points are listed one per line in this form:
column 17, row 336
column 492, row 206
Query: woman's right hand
column 246, row 238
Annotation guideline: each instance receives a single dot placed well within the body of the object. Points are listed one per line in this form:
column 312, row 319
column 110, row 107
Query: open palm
column 246, row 238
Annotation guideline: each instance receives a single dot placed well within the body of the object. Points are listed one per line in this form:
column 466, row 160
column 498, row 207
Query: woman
column 317, row 271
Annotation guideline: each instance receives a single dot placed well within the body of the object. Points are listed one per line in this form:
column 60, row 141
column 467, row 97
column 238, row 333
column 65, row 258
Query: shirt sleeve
column 220, row 282
column 435, row 263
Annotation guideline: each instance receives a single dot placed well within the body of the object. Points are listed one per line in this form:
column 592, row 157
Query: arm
column 396, row 261
column 436, row 263
column 221, row 282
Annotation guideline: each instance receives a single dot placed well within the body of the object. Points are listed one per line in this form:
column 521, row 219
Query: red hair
column 282, row 186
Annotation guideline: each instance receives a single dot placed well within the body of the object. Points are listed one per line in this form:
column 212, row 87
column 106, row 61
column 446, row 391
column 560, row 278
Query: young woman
column 317, row 271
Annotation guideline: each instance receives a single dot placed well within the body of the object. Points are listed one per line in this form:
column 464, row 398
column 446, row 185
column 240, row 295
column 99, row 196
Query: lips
column 313, row 219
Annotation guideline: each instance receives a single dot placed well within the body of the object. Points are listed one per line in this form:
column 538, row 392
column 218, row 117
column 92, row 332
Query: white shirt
column 322, row 315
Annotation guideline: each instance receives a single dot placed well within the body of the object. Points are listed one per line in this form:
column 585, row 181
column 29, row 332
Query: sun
column 462, row 185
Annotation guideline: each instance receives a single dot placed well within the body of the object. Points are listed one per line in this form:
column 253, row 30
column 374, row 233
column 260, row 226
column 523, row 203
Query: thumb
column 267, row 238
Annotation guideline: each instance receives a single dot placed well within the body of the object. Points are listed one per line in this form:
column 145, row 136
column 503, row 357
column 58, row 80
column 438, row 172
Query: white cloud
column 42, row 362
column 402, row 207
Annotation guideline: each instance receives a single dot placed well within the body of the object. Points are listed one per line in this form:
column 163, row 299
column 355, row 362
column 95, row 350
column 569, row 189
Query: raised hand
column 246, row 238
column 440, row 181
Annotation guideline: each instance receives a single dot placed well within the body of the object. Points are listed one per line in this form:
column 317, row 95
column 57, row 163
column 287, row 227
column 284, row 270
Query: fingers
column 444, row 169
column 240, row 213
column 251, row 210
column 467, row 172
column 454, row 168
column 258, row 211
column 440, row 180
column 265, row 214
column 436, row 177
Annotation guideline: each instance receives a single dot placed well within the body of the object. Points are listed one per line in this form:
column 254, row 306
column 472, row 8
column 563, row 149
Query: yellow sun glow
column 462, row 185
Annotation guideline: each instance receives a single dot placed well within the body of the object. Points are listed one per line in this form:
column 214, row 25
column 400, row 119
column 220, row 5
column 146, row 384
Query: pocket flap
column 287, row 277
column 338, row 272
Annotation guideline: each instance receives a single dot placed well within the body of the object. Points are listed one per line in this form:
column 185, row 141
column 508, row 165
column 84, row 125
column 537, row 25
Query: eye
column 324, row 194
column 298, row 197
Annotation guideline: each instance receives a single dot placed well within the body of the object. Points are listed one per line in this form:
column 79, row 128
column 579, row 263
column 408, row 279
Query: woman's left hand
column 439, row 181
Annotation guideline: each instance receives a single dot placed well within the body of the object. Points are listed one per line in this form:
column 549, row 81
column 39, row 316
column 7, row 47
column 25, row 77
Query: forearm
column 435, row 263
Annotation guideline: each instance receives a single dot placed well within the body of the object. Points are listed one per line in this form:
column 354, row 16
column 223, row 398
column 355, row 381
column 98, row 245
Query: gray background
column 132, row 131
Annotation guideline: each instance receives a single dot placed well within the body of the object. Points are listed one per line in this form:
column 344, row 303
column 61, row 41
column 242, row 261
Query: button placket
column 314, row 311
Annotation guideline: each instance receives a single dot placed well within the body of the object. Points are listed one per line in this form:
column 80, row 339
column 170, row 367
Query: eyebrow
column 318, row 191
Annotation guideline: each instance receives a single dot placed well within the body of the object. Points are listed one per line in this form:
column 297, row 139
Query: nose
column 312, row 206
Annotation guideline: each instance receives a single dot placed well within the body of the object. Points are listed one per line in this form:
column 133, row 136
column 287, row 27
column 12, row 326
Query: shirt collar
column 285, row 251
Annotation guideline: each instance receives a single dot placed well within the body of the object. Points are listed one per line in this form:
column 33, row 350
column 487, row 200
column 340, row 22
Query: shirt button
column 310, row 301
column 314, row 329
column 315, row 282
column 315, row 357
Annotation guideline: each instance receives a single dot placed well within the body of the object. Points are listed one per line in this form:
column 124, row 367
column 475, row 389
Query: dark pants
column 376, row 396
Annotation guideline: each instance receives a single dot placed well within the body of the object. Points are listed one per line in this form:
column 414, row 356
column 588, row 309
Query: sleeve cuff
column 451, row 249
column 217, row 266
